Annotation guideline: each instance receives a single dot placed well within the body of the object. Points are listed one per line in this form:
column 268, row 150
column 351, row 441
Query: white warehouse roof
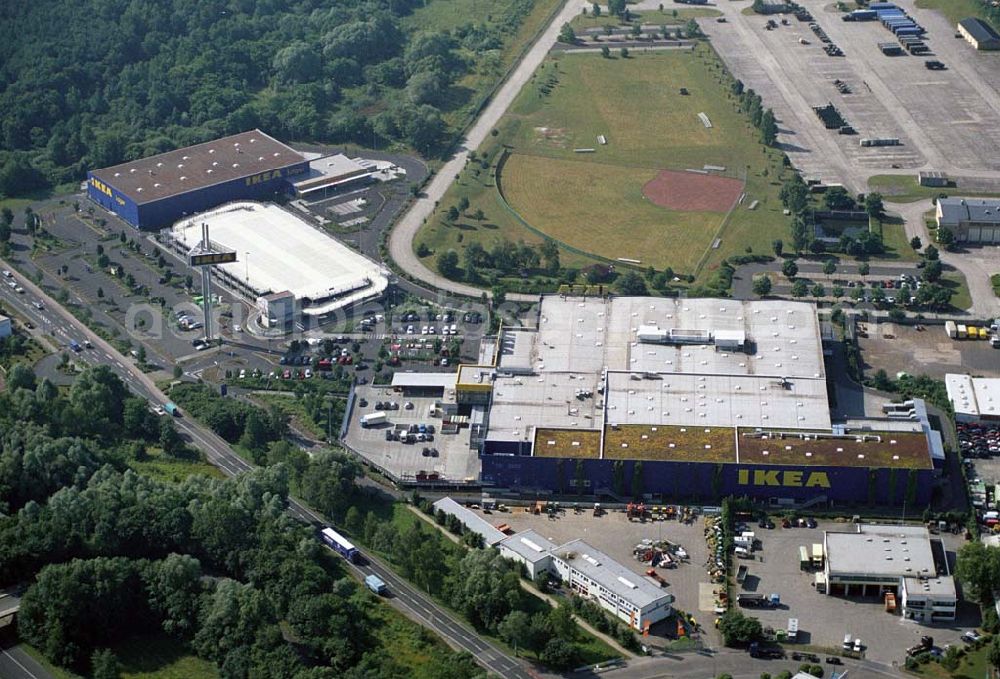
column 471, row 520
column 974, row 397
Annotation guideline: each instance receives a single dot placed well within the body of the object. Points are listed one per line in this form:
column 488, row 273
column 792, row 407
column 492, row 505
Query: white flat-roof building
column 975, row 399
column 589, row 572
column 5, row 329
column 530, row 549
column 331, row 174
column 278, row 252
column 631, row 598
column 471, row 520
column 903, row 560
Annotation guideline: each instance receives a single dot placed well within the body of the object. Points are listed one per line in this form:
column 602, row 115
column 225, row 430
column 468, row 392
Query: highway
column 60, row 326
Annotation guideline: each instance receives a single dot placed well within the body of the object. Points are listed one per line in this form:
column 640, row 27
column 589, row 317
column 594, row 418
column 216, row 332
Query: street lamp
column 247, row 261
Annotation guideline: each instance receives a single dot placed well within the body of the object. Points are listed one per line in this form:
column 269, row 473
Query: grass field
column 668, row 17
column 899, row 188
column 995, row 282
column 954, row 10
column 594, row 202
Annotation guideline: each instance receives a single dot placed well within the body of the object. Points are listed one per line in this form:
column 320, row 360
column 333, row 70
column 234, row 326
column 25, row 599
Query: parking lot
column 824, row 620
column 902, row 348
column 888, row 97
column 454, row 459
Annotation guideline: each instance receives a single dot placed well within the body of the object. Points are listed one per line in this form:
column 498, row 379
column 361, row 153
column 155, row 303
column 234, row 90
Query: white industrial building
column 875, row 559
column 591, row 573
column 332, row 174
column 972, row 220
column 975, row 399
column 530, row 549
column 279, row 252
column 5, row 329
column 471, row 520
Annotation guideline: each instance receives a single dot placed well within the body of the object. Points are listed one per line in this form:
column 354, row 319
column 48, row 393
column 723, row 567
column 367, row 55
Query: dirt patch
column 691, row 191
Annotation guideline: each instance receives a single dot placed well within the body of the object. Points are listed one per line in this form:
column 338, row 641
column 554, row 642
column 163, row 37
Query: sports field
column 594, row 202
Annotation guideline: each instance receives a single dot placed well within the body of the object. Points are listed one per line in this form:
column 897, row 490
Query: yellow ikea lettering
column 793, row 479
column 765, row 478
column 263, row 177
column 789, row 478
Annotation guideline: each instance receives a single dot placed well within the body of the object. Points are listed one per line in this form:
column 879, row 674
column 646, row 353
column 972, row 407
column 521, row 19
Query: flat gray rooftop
column 903, row 551
column 529, row 545
column 718, row 401
column 588, row 335
column 523, row 402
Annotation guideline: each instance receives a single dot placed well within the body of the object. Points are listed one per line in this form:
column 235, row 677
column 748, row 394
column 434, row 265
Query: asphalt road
column 60, row 324
column 15, row 663
column 402, row 235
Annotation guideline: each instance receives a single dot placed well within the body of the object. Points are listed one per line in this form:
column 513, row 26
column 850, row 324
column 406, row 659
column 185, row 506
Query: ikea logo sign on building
column 783, row 478
column 263, row 177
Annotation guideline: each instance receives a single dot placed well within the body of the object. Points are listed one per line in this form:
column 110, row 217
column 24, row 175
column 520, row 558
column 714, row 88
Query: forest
column 219, row 566
column 123, row 79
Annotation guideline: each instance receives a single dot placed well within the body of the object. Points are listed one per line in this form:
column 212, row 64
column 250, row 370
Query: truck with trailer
column 793, row 630
column 951, row 329
column 375, row 584
column 373, row 419
column 804, row 562
column 339, row 544
column 765, row 652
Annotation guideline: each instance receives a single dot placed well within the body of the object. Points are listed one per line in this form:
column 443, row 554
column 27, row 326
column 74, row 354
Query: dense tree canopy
column 122, row 79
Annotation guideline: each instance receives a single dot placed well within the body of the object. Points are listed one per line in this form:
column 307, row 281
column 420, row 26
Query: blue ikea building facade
column 155, row 192
column 708, row 482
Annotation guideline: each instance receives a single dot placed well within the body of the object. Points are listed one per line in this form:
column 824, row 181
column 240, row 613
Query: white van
column 743, row 553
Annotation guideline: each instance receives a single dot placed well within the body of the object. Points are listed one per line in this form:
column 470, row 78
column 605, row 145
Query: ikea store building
column 155, row 192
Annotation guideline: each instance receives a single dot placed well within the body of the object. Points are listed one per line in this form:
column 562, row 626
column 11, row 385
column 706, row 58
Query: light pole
column 246, row 259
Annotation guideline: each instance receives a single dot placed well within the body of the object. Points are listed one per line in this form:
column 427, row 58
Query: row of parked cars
column 977, row 440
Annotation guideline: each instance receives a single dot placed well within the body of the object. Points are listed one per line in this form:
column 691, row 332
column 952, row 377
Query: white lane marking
column 14, row 660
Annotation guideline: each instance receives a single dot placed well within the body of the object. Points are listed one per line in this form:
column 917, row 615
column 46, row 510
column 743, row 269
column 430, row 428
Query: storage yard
column 890, row 97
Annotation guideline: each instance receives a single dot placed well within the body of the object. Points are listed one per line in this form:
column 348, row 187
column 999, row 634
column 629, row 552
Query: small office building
column 979, row 34
column 874, row 560
column 530, row 549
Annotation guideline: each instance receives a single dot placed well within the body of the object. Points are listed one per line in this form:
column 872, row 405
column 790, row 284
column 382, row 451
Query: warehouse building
column 975, row 399
column 591, row 573
column 979, row 34
column 155, row 192
column 691, row 399
column 877, row 559
column 329, row 175
column 972, row 220
column 282, row 256
column 472, row 521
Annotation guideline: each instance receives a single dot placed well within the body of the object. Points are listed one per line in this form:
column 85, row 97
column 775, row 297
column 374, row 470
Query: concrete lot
column 891, row 96
column 615, row 535
column 899, row 348
column 455, row 461
column 824, row 620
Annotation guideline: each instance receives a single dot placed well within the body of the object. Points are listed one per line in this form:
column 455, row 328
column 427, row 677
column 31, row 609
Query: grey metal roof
column 529, row 545
column 472, row 521
column 903, row 551
column 955, row 211
column 981, row 31
column 610, row 574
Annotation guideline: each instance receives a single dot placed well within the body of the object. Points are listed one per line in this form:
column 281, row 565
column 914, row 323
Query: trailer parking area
column 824, row 620
column 899, row 348
column 942, row 118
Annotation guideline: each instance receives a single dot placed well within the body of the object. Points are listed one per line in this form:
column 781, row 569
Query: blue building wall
column 703, row 481
column 112, row 199
column 164, row 212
